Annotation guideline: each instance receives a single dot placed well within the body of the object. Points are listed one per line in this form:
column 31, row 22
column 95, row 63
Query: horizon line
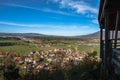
column 46, row 34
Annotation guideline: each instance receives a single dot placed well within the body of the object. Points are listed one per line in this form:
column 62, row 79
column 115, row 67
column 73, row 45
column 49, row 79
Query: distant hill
column 95, row 35
column 89, row 36
column 21, row 35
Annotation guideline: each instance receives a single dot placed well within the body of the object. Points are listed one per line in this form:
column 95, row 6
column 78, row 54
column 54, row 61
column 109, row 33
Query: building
column 109, row 21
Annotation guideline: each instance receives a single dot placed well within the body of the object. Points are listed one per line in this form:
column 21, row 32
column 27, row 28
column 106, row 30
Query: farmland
column 68, row 59
column 24, row 47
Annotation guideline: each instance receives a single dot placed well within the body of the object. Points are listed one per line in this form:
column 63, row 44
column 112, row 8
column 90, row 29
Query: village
column 49, row 60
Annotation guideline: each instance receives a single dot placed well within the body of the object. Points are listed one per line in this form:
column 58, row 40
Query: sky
column 51, row 17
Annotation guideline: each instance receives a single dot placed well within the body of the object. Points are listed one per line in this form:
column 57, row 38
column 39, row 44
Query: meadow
column 22, row 47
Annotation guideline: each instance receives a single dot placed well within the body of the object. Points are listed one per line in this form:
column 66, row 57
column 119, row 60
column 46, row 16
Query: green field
column 22, row 47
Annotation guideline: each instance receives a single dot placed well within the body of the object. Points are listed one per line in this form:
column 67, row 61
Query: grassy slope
column 25, row 48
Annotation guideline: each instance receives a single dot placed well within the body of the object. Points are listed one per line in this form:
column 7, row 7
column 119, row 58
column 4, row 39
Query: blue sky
column 52, row 17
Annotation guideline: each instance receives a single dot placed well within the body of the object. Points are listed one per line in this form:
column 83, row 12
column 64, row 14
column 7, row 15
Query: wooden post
column 112, row 38
column 113, row 34
column 107, row 37
column 102, row 56
column 116, row 27
column 101, row 43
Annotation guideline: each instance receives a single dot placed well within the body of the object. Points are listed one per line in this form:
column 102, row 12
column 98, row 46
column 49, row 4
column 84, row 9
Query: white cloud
column 49, row 26
column 41, row 9
column 91, row 15
column 22, row 25
column 57, row 12
column 52, row 26
column 79, row 6
column 95, row 21
column 54, row 0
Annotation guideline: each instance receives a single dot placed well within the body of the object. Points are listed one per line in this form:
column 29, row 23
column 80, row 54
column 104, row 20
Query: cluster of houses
column 46, row 59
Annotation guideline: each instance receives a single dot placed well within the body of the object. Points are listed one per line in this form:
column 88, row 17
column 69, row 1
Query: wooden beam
column 116, row 27
column 103, row 10
column 116, row 62
column 117, row 39
column 114, row 5
column 116, row 51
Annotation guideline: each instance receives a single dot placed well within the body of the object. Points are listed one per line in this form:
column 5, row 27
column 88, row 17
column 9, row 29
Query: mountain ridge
column 89, row 36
